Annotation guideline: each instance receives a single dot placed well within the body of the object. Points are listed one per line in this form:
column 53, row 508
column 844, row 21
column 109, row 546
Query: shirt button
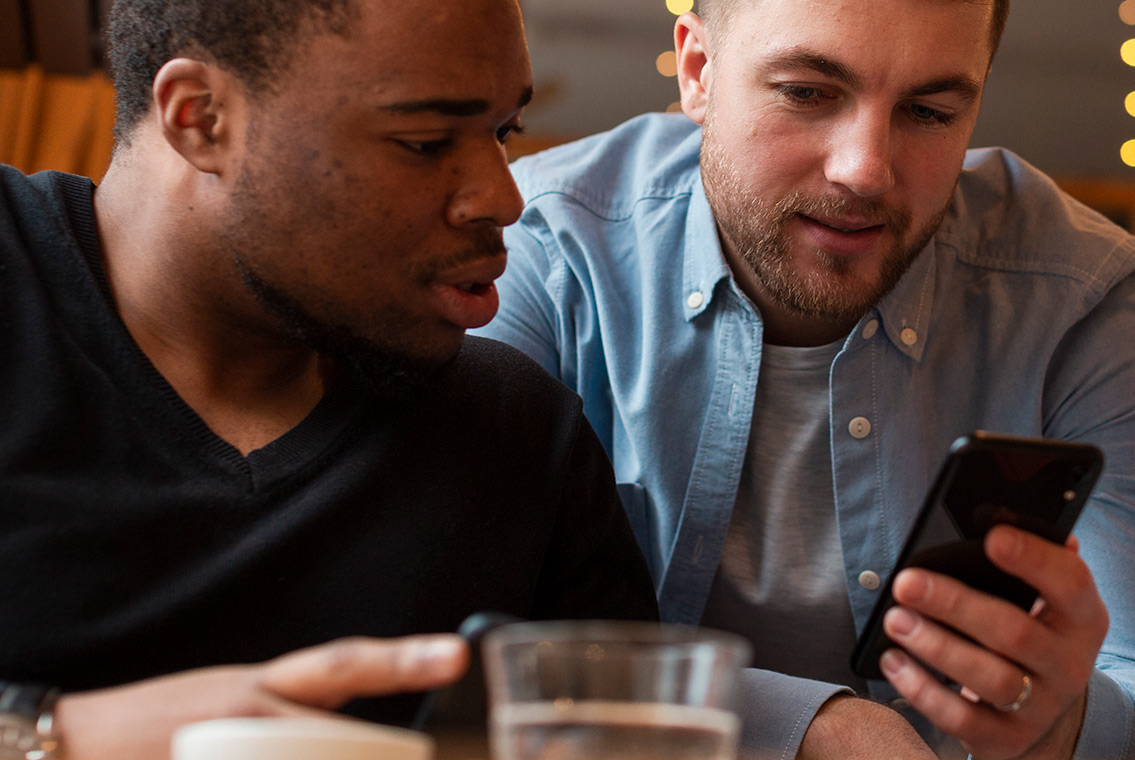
column 870, row 329
column 909, row 337
column 869, row 580
column 695, row 300
column 860, row 427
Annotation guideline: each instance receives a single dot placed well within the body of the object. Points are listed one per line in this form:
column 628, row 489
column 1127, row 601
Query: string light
column 667, row 62
column 1127, row 53
column 1127, row 12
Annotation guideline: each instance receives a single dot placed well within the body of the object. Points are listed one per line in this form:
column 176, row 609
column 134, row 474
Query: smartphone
column 458, row 714
column 987, row 479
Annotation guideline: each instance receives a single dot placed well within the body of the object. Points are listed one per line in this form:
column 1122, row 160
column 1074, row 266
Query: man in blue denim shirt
column 816, row 225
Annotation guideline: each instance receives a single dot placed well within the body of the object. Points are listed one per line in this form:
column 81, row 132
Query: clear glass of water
column 591, row 690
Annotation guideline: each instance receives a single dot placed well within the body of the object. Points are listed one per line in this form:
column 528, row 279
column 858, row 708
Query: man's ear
column 691, row 43
column 197, row 106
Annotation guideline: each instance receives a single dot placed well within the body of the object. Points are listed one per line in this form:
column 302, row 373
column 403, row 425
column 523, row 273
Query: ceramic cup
column 297, row 739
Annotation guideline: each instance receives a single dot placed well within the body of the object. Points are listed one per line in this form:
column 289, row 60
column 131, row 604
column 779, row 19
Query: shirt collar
column 703, row 262
column 904, row 313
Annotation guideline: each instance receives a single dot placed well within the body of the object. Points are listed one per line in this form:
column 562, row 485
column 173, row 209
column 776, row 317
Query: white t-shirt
column 781, row 582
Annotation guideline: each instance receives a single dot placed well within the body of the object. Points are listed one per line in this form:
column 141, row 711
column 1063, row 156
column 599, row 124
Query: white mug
column 298, row 739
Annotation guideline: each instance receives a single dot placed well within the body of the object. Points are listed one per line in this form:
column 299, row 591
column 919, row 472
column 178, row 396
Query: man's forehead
column 723, row 9
column 759, row 20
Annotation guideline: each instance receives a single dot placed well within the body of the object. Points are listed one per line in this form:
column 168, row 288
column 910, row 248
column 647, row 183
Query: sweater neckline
column 332, row 418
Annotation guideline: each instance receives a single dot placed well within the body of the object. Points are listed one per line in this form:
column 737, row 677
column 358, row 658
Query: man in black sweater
column 242, row 421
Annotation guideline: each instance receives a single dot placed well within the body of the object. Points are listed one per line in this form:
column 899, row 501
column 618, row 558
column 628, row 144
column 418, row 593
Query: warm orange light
column 678, row 7
column 667, row 64
column 1127, row 12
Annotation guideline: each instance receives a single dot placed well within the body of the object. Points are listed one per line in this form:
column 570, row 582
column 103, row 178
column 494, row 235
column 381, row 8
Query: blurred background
column 1062, row 92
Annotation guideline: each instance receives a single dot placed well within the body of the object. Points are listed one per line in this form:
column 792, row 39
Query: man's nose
column 487, row 193
column 860, row 155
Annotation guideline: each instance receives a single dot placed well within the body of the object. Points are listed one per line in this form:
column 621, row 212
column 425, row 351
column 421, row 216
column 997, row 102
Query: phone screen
column 1039, row 485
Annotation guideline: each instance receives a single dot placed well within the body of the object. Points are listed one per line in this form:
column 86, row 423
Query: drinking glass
column 584, row 690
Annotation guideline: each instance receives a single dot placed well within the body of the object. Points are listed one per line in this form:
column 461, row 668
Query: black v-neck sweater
column 135, row 542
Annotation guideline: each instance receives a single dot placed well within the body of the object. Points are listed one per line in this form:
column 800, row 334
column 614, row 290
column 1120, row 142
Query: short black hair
column 251, row 39
column 719, row 12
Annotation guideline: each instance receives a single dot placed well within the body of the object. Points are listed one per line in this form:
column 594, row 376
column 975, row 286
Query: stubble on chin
column 384, row 371
column 756, row 230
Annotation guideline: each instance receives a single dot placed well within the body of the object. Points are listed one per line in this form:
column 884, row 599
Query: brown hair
column 717, row 14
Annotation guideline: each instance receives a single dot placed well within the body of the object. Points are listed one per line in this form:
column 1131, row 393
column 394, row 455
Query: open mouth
column 844, row 237
column 846, row 228
column 475, row 288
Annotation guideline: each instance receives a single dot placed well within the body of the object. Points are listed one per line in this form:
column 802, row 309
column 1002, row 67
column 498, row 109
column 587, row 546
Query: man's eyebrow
column 451, row 106
column 804, row 59
column 965, row 86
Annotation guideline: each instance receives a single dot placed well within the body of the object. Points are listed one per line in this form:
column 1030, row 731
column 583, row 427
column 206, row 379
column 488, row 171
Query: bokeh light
column 667, row 64
column 1127, row 52
column 1127, row 152
column 678, row 7
column 1127, row 12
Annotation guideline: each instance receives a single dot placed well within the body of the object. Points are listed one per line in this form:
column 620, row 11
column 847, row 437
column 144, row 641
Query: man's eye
column 507, row 131
column 425, row 147
column 930, row 116
column 801, row 94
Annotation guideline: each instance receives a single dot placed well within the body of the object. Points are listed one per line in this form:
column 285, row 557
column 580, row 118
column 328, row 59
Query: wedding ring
column 1018, row 703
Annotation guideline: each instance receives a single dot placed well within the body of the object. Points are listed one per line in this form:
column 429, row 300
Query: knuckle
column 1015, row 634
column 1078, row 580
column 342, row 655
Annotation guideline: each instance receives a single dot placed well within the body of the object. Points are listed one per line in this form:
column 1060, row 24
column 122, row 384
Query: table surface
column 462, row 746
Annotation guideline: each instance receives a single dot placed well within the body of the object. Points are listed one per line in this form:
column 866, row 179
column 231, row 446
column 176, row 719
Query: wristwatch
column 26, row 719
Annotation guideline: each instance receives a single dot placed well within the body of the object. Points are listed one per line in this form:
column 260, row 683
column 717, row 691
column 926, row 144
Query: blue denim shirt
column 1018, row 317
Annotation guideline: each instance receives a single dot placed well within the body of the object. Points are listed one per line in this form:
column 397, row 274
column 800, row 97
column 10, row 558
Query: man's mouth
column 467, row 296
column 844, row 237
column 476, row 288
column 846, row 226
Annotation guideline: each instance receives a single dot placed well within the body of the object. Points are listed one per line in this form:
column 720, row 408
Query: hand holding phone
column 1036, row 484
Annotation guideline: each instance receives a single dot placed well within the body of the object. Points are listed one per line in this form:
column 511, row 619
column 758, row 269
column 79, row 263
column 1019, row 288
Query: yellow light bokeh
column 1130, row 103
column 1128, row 52
column 678, row 7
column 1127, row 12
column 675, row 107
column 667, row 64
column 1127, row 152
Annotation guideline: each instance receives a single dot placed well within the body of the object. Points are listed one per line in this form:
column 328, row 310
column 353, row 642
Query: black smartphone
column 987, row 479
column 456, row 716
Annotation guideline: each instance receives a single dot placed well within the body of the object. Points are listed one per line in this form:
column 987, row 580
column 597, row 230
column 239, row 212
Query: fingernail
column 441, row 648
column 900, row 622
column 912, row 585
column 892, row 662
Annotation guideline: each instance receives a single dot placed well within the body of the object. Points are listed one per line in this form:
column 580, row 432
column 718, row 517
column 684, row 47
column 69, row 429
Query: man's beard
column 383, row 370
column 380, row 349
column 756, row 232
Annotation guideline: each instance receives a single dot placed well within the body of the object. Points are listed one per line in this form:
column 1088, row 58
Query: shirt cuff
column 1109, row 722
column 776, row 711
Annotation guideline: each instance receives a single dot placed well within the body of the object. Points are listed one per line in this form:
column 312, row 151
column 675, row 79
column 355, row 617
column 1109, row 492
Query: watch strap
column 34, row 702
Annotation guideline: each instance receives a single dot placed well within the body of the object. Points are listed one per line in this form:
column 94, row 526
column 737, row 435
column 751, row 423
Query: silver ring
column 1019, row 702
